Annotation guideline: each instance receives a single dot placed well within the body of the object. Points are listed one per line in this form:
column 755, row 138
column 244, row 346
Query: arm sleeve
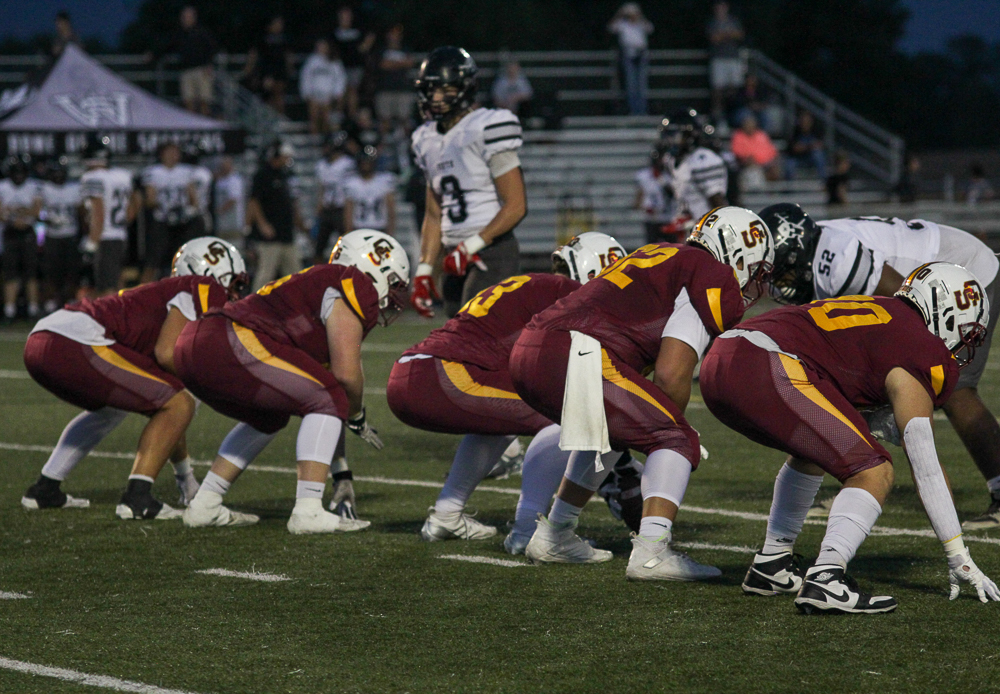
column 503, row 162
column 184, row 302
column 326, row 308
column 685, row 325
column 709, row 175
column 931, row 485
column 502, row 132
column 842, row 266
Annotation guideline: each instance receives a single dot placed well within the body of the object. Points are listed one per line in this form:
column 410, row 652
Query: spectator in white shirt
column 632, row 29
column 322, row 82
column 230, row 204
column 511, row 88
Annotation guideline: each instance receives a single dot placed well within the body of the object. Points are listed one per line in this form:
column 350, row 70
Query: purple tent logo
column 96, row 110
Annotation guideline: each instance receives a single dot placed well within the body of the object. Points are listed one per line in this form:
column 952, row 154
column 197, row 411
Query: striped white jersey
column 114, row 187
column 60, row 207
column 368, row 198
column 699, row 176
column 19, row 201
column 171, row 186
column 332, row 176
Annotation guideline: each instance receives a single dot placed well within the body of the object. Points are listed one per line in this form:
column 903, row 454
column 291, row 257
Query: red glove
column 679, row 228
column 424, row 291
column 457, row 262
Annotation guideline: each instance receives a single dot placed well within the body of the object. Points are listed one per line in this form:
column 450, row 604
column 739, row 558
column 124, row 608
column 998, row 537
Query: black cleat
column 828, row 589
column 988, row 520
column 138, row 503
column 771, row 574
column 45, row 493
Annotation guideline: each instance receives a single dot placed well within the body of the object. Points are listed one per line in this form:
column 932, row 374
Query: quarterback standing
column 475, row 187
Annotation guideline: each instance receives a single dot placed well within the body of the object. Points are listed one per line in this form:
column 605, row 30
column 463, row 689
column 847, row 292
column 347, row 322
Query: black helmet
column 17, row 167
column 336, row 142
column 795, row 238
column 684, row 131
column 447, row 66
column 57, row 170
column 97, row 151
column 367, row 155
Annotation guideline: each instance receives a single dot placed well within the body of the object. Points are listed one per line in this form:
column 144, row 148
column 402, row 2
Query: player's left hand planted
column 359, row 425
column 963, row 570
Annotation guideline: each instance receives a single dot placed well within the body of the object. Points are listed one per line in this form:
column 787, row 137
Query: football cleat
column 206, row 510
column 319, row 521
column 45, row 493
column 989, row 519
column 510, row 462
column 821, row 508
column 656, row 560
column 828, row 589
column 187, row 487
column 771, row 574
column 145, row 507
column 454, row 526
column 516, row 541
column 559, row 544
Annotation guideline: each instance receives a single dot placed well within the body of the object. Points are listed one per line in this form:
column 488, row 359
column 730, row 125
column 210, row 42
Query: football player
column 475, row 188
column 262, row 360
column 331, row 172
column 370, row 196
column 456, row 380
column 116, row 355
column 61, row 215
column 20, row 205
column 171, row 194
column 789, row 380
column 200, row 214
column 581, row 363
column 870, row 256
column 113, row 206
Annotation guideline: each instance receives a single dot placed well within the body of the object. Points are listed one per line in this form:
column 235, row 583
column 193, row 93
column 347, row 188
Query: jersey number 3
column 457, row 210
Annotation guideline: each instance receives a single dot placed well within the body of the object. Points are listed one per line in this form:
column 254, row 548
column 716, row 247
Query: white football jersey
column 368, row 198
column 698, row 177
column 60, row 207
column 18, row 201
column 457, row 167
column 331, row 177
column 171, row 187
column 114, row 186
column 657, row 198
column 851, row 252
column 202, row 179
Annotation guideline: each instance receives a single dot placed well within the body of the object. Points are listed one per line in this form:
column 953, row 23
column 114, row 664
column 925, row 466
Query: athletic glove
column 343, row 503
column 359, row 426
column 424, row 291
column 961, row 569
column 457, row 262
column 882, row 423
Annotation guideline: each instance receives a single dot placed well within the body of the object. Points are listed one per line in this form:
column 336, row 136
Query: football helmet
column 953, row 305
column 682, row 132
column 366, row 159
column 210, row 255
column 379, row 256
column 447, row 66
column 584, row 257
column 97, row 151
column 738, row 238
column 795, row 237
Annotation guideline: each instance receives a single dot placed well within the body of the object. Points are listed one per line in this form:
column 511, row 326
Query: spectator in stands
column 352, row 46
column 230, row 204
column 269, row 64
column 20, row 205
column 65, row 34
column 836, row 183
column 512, row 89
column 322, row 82
column 633, row 30
column 370, row 196
column 979, row 189
column 61, row 207
column 805, row 147
column 725, row 66
column 394, row 97
column 906, row 188
column 751, row 99
column 654, row 195
column 755, row 151
column 273, row 214
column 196, row 49
column 363, row 130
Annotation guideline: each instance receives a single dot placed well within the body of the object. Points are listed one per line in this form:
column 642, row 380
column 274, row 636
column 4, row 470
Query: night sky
column 932, row 22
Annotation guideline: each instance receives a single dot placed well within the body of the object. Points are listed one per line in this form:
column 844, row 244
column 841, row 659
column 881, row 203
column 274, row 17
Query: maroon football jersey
column 134, row 317
column 627, row 306
column 855, row 341
column 487, row 327
column 289, row 309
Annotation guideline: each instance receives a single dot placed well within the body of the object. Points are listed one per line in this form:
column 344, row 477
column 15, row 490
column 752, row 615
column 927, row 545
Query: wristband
column 344, row 475
column 359, row 418
column 954, row 546
column 424, row 269
column 473, row 244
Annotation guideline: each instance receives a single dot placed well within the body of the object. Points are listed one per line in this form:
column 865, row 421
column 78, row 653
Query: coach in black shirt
column 273, row 214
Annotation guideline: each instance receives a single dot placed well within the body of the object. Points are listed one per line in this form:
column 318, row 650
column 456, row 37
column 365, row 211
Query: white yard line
column 11, row 373
column 739, row 549
column 83, row 678
column 4, row 595
column 484, row 560
column 248, row 575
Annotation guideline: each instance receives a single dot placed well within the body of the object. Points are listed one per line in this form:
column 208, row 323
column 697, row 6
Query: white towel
column 584, row 424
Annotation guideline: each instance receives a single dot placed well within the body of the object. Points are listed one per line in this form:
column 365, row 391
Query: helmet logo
column 216, row 252
column 969, row 295
column 753, row 235
column 381, row 250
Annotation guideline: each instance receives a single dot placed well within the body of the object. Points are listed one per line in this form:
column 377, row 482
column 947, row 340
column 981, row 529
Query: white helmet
column 584, row 257
column 209, row 255
column 953, row 304
column 379, row 256
column 740, row 239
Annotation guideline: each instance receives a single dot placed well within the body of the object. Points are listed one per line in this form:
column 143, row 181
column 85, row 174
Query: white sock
column 308, row 504
column 994, row 486
column 9, row 310
column 563, row 513
column 244, row 443
column 852, row 517
column 794, row 493
column 544, row 465
column 78, row 439
column 215, row 484
column 309, row 490
column 666, row 476
column 655, row 528
column 144, row 478
column 476, row 456
column 183, row 468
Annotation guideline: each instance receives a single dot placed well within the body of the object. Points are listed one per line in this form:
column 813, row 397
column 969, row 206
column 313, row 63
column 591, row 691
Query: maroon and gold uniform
column 456, row 380
column 626, row 308
column 261, row 359
column 793, row 377
column 105, row 358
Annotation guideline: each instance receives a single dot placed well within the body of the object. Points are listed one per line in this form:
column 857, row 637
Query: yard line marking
column 739, row 549
column 248, row 575
column 49, row 449
column 484, row 560
column 388, row 347
column 12, row 373
column 4, row 595
column 102, row 681
column 723, row 512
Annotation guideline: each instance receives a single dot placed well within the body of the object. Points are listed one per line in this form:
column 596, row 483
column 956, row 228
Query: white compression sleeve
column 794, row 493
column 476, row 456
column 582, row 471
column 666, row 476
column 242, row 444
column 502, row 162
column 918, row 438
column 544, row 465
column 78, row 439
column 318, row 437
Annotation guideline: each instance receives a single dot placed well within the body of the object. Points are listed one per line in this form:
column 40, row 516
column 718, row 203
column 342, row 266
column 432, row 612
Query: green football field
column 381, row 611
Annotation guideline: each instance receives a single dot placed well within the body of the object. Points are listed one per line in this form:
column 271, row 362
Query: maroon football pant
column 96, row 376
column 781, row 402
column 248, row 376
column 452, row 397
column 640, row 415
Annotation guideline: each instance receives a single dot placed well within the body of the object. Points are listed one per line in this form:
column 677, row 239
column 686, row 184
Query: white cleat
column 316, row 521
column 71, row 502
column 454, row 526
column 655, row 560
column 516, row 542
column 187, row 487
column 560, row 545
column 206, row 510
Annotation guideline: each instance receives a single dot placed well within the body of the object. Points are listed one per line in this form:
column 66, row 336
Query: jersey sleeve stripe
column 937, row 379
column 854, row 271
column 347, row 284
column 512, row 123
column 715, row 304
column 500, row 139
